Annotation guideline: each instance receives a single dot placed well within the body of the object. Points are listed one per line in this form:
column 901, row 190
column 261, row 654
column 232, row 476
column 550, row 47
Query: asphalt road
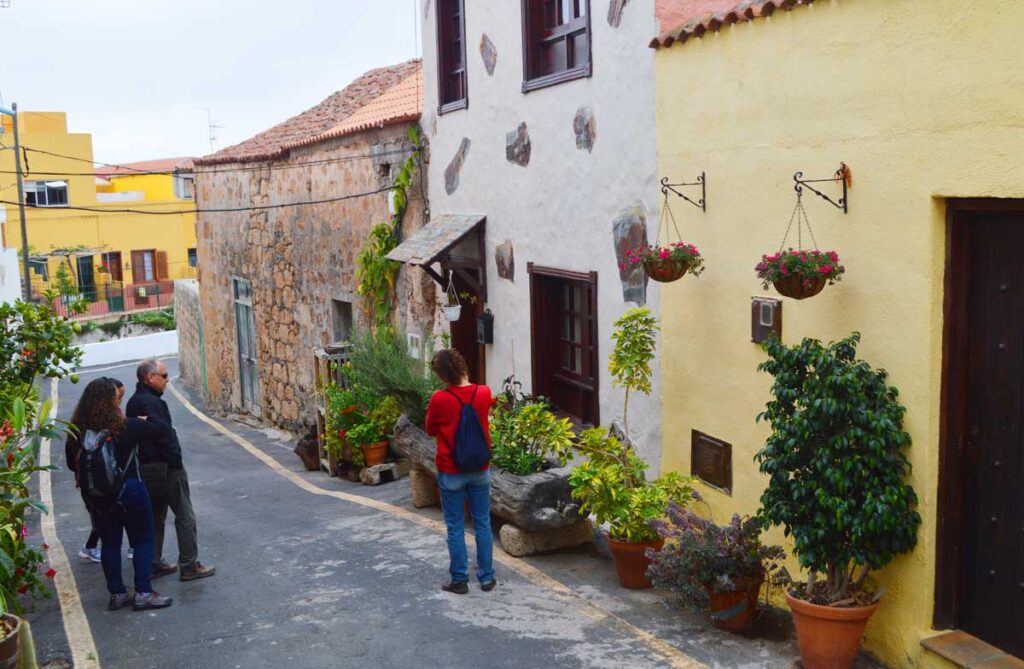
column 308, row 580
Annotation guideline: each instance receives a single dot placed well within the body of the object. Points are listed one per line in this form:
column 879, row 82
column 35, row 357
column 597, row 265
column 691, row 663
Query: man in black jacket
column 164, row 474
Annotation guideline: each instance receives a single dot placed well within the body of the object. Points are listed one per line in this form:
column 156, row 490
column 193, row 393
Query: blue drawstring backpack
column 471, row 453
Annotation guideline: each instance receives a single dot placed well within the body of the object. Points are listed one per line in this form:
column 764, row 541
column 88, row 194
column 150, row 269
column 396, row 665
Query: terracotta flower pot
column 736, row 609
column 793, row 286
column 666, row 270
column 11, row 625
column 828, row 636
column 375, row 453
column 631, row 563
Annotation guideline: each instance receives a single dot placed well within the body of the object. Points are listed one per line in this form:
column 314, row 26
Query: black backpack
column 471, row 453
column 99, row 476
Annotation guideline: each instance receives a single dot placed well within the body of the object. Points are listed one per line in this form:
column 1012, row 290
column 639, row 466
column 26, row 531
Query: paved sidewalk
column 309, row 575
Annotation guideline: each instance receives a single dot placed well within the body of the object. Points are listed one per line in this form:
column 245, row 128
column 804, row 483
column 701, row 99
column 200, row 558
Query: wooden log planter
column 538, row 504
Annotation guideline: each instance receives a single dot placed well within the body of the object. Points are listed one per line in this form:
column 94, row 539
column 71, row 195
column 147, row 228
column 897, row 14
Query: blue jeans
column 455, row 488
column 133, row 515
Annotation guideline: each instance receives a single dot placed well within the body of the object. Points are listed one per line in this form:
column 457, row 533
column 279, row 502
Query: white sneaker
column 90, row 554
column 131, row 552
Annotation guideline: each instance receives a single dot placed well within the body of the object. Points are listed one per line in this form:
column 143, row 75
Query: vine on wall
column 375, row 274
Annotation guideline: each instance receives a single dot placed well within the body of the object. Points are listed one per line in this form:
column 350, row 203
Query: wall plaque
column 711, row 460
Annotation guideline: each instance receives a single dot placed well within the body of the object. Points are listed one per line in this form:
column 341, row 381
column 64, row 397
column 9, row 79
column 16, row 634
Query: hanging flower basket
column 667, row 263
column 452, row 312
column 800, row 274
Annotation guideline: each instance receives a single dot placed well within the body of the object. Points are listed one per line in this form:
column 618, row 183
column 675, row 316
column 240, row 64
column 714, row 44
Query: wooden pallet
column 327, row 362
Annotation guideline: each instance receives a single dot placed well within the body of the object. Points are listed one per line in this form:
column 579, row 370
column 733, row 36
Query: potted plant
column 610, row 482
column 667, row 263
column 836, row 470
column 713, row 568
column 799, row 274
column 342, row 414
column 370, row 435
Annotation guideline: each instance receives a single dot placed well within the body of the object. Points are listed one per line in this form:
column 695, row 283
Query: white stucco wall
column 10, row 279
column 557, row 211
column 130, row 348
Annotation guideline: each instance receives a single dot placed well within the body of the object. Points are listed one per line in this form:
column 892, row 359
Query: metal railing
column 117, row 298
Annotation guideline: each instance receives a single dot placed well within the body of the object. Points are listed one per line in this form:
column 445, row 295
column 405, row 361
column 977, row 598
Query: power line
column 215, row 210
column 253, row 168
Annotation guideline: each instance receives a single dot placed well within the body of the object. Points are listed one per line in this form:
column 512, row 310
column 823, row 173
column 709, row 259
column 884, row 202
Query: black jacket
column 135, row 432
column 147, row 402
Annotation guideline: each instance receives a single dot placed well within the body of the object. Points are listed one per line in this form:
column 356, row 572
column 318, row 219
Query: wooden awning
column 456, row 242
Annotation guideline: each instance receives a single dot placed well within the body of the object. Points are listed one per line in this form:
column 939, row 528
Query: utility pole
column 26, row 276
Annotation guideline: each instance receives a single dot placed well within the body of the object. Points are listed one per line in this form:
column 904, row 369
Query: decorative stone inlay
column 504, row 259
column 489, row 53
column 426, row 10
column 615, row 8
column 451, row 173
column 517, row 146
column 629, row 231
column 585, row 127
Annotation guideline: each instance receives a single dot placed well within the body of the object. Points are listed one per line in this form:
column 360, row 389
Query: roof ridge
column 728, row 12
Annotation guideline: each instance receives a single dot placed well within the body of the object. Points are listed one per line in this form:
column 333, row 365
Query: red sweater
column 443, row 419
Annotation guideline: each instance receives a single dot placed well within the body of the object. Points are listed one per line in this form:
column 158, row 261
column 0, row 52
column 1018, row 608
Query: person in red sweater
column 443, row 415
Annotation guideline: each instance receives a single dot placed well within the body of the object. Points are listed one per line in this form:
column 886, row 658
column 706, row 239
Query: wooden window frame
column 444, row 68
column 159, row 262
column 591, row 337
column 530, row 40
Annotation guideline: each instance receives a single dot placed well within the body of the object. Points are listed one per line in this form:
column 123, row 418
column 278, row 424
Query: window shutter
column 138, row 267
column 161, row 265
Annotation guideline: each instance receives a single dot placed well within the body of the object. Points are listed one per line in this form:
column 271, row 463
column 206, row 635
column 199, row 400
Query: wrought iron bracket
column 841, row 175
column 701, row 181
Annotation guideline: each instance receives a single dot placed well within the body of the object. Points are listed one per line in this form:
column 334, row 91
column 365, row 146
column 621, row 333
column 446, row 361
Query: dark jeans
column 94, row 535
column 133, row 515
column 179, row 500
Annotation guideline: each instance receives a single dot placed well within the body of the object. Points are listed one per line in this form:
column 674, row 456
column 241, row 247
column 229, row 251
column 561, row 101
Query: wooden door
column 991, row 601
column 245, row 326
column 464, row 332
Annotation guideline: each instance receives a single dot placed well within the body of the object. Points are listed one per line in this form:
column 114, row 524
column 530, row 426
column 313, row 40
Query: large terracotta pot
column 736, row 609
column 9, row 643
column 793, row 286
column 828, row 636
column 375, row 453
column 631, row 563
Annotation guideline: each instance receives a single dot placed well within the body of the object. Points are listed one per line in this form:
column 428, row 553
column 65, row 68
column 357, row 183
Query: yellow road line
column 76, row 624
column 673, row 655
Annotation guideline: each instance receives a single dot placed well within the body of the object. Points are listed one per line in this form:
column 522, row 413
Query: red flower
column 23, row 589
column 50, row 573
column 46, row 547
column 664, row 254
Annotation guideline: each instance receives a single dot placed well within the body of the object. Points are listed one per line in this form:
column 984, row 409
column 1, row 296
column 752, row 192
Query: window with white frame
column 184, row 187
column 46, row 193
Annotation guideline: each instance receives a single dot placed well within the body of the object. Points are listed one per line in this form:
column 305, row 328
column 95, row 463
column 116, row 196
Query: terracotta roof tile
column 273, row 143
column 399, row 104
column 680, row 20
column 159, row 165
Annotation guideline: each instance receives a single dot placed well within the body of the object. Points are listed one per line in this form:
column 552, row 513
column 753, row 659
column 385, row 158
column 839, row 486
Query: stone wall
column 298, row 259
column 187, row 317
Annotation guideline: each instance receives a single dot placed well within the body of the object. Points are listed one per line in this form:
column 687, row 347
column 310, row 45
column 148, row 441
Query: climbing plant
column 375, row 274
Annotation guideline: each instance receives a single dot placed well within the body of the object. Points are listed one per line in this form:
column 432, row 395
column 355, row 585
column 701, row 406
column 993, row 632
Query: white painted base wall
column 130, row 348
column 10, row 281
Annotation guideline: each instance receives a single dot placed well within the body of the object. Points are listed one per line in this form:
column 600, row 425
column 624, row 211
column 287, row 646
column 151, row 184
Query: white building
column 540, row 122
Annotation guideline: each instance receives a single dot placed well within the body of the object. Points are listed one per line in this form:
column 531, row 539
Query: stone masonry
column 298, row 259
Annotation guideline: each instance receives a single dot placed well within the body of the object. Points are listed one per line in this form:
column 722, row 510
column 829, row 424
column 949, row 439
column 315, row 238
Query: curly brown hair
column 449, row 365
column 98, row 408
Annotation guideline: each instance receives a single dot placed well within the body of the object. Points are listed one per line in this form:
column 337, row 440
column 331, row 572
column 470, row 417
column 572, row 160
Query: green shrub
column 525, row 434
column 382, row 366
column 163, row 319
column 113, row 328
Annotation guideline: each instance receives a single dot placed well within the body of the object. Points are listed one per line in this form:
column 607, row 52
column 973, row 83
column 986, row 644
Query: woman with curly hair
column 443, row 415
column 98, row 417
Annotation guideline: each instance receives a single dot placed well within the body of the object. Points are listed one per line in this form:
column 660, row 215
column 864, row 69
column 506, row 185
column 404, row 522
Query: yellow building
column 77, row 218
column 924, row 101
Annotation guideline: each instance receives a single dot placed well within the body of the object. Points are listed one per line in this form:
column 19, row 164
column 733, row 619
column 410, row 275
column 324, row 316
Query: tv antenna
column 213, row 127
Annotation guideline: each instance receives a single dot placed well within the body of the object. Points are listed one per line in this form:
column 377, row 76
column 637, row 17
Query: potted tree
column 610, row 482
column 713, row 568
column 667, row 263
column 836, row 470
column 799, row 274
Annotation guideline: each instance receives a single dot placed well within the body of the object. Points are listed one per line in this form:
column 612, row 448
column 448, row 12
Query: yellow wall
column 57, row 227
column 923, row 100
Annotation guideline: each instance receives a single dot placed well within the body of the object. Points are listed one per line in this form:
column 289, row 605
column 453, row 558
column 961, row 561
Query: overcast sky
column 140, row 74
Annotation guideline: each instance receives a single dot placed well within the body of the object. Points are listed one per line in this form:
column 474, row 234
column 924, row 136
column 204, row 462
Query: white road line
column 675, row 657
column 76, row 625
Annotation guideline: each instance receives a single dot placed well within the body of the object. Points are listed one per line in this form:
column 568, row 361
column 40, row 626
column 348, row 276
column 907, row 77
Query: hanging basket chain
column 666, row 209
column 453, row 297
column 800, row 216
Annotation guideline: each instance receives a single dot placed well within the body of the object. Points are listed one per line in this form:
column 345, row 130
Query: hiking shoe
column 90, row 554
column 489, row 585
column 458, row 587
column 150, row 600
column 163, row 569
column 197, row 571
column 131, row 553
column 119, row 601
